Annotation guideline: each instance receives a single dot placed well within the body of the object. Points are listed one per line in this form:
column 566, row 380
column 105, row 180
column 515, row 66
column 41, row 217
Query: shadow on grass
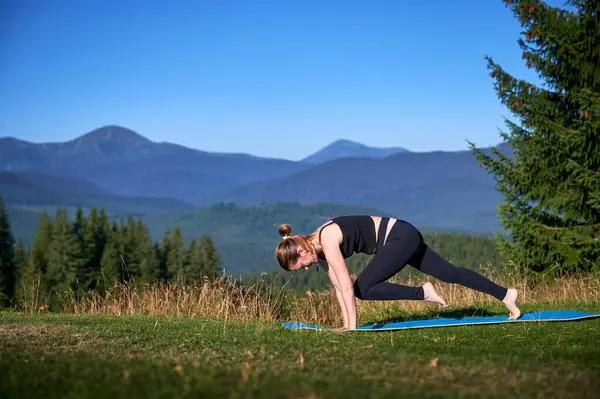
column 447, row 314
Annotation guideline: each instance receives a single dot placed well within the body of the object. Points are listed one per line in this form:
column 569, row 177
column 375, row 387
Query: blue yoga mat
column 549, row 315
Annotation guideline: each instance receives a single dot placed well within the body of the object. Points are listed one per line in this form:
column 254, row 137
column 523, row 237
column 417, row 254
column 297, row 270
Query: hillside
column 39, row 190
column 445, row 189
column 350, row 149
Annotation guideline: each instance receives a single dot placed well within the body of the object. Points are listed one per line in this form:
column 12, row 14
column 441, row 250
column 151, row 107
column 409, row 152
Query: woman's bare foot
column 510, row 300
column 432, row 296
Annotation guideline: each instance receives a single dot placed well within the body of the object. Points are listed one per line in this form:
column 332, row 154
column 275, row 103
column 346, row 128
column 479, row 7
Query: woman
column 395, row 243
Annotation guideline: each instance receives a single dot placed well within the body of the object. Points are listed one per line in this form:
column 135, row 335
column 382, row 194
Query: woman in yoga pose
column 395, row 243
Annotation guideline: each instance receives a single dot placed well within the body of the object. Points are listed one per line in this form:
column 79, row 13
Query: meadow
column 218, row 338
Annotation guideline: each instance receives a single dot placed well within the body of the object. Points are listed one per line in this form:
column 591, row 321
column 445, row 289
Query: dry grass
column 227, row 299
column 322, row 307
column 220, row 298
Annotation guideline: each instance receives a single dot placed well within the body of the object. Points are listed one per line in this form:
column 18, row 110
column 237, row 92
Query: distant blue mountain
column 350, row 149
column 126, row 163
column 34, row 189
column 443, row 189
column 109, row 144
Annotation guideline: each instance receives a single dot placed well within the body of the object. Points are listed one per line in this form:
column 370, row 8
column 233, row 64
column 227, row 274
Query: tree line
column 92, row 253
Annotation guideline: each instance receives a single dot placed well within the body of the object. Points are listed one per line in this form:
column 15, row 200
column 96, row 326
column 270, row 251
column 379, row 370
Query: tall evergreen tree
column 81, row 254
column 104, row 220
column 95, row 236
column 163, row 250
column 8, row 272
column 138, row 249
column 130, row 266
column 210, row 257
column 144, row 253
column 551, row 181
column 63, row 255
column 34, row 280
column 158, row 273
column 176, row 256
column 20, row 265
column 111, row 263
column 194, row 262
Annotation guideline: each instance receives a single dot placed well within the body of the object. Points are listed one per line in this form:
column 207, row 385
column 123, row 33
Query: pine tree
column 158, row 273
column 210, row 257
column 81, row 254
column 176, row 257
column 138, row 247
column 194, row 262
column 551, row 182
column 95, row 236
column 87, row 274
column 20, row 265
column 63, row 255
column 8, row 273
column 34, row 282
column 144, row 254
column 131, row 268
column 111, row 262
column 104, row 220
column 163, row 250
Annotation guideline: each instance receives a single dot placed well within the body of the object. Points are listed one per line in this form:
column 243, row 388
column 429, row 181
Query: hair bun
column 284, row 230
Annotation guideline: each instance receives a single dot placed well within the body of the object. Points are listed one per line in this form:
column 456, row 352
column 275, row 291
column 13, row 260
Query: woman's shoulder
column 330, row 228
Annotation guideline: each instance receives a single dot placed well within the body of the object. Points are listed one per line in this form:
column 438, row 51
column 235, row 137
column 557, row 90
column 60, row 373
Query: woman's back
column 358, row 234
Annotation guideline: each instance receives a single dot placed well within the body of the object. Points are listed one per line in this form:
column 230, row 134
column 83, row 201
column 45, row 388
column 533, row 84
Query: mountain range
column 127, row 174
column 126, row 163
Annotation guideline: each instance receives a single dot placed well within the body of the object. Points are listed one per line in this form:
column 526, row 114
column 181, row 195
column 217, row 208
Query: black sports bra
column 358, row 235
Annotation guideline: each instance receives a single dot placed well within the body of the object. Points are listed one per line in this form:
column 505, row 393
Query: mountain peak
column 112, row 133
column 346, row 143
column 344, row 148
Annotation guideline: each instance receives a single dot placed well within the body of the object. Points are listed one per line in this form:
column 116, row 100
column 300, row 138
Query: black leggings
column 405, row 246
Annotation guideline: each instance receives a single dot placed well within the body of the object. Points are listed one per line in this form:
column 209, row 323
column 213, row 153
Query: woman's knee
column 360, row 288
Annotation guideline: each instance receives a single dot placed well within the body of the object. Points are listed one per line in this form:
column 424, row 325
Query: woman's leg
column 430, row 262
column 433, row 264
column 371, row 284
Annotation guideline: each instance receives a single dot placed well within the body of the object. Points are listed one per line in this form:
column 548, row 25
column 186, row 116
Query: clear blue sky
column 211, row 74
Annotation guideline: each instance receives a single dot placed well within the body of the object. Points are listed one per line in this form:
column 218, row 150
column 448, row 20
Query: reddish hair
column 286, row 251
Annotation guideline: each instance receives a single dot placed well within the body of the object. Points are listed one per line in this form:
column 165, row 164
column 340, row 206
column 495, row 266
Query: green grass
column 70, row 356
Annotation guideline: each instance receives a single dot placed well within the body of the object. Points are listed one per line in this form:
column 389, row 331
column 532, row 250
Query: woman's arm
column 337, row 266
column 339, row 296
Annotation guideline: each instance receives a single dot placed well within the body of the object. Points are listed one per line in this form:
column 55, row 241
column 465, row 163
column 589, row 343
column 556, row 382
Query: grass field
column 47, row 355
